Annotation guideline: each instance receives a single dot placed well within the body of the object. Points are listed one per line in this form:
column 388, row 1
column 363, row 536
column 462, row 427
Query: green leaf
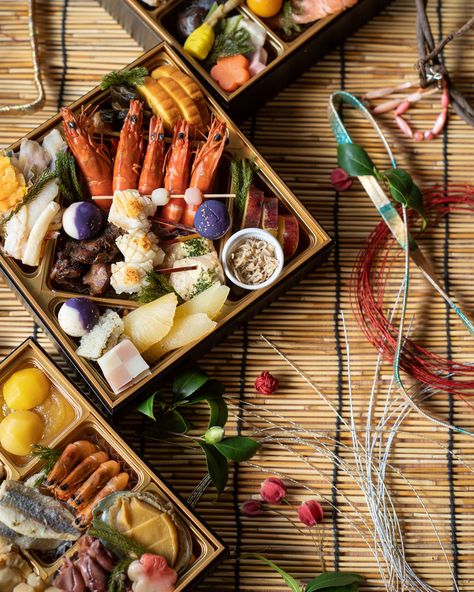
column 188, row 383
column 355, row 160
column 219, row 412
column 333, row 579
column 400, row 184
column 212, row 390
column 349, row 588
column 135, row 76
column 146, row 407
column 173, row 421
column 216, row 466
column 292, row 584
column 238, row 448
column 415, row 202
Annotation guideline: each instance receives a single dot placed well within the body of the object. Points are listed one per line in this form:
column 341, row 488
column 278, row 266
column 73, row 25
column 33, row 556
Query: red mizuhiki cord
column 370, row 276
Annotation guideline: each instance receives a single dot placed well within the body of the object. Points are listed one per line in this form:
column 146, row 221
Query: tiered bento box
column 288, row 57
column 84, row 424
column 44, row 298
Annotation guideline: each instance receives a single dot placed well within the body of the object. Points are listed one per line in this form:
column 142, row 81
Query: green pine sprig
column 66, row 174
column 242, row 174
column 117, row 578
column 156, row 285
column 134, row 77
column 49, row 456
column 113, row 538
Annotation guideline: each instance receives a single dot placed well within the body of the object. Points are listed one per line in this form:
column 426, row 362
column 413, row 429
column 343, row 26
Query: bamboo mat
column 306, row 322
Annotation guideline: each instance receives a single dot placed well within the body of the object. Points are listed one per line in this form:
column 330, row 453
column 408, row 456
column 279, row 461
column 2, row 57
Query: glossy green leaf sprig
column 329, row 581
column 357, row 163
column 191, row 387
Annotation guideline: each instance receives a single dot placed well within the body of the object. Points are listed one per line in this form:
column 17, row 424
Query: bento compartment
column 52, row 418
column 201, row 547
column 107, row 448
column 172, row 19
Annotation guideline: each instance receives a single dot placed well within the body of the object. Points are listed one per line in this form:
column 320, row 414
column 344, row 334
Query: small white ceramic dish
column 233, row 242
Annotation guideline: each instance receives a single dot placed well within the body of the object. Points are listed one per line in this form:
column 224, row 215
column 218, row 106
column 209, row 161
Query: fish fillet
column 32, row 514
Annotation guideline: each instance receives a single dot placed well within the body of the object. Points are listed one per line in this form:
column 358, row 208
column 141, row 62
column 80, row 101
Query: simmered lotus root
column 188, row 85
column 186, row 105
column 161, row 102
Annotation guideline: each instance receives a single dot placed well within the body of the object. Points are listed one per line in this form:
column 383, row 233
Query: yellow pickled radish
column 26, row 389
column 200, row 42
column 19, row 431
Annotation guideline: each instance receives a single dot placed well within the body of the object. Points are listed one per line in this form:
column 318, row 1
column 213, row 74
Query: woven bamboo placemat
column 79, row 42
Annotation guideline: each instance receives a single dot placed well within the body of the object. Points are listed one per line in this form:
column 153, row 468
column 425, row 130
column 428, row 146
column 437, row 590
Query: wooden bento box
column 288, row 57
column 70, row 420
column 44, row 298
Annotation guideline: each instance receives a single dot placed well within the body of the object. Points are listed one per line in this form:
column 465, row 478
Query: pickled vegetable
column 26, row 389
column 19, row 431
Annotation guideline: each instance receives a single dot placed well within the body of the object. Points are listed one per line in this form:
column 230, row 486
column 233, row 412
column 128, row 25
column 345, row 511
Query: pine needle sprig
column 66, row 173
column 117, row 578
column 242, row 174
column 134, row 77
column 49, row 456
column 156, row 285
column 113, row 538
column 33, row 192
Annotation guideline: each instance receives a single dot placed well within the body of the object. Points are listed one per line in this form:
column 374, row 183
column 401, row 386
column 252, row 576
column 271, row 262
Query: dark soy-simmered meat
column 97, row 279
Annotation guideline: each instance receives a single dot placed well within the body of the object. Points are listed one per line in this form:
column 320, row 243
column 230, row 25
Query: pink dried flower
column 252, row 508
column 311, row 513
column 340, row 180
column 266, row 383
column 273, row 490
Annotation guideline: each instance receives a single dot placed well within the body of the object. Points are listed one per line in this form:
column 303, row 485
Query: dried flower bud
column 266, row 383
column 214, row 435
column 273, row 490
column 252, row 508
column 311, row 513
column 340, row 180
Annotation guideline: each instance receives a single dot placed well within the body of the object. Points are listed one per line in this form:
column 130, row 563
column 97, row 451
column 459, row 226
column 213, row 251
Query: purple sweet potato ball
column 77, row 316
column 212, row 219
column 82, row 220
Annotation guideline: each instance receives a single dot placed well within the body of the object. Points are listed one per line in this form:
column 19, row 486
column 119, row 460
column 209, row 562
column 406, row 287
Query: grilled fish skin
column 28, row 512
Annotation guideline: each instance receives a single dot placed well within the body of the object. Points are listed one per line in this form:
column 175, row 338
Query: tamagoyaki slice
column 161, row 102
column 186, row 105
column 188, row 85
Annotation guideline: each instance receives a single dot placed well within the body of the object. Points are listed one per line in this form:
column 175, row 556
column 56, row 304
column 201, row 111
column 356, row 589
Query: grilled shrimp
column 152, row 173
column 80, row 474
column 130, row 150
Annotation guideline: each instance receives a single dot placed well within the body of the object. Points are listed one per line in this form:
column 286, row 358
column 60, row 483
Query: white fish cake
column 194, row 247
column 130, row 210
column 140, row 246
column 128, row 278
column 191, row 283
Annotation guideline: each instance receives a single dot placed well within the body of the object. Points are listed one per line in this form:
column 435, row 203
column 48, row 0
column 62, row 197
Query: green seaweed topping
column 195, row 247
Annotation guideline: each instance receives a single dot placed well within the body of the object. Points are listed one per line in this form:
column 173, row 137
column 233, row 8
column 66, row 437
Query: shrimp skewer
column 205, row 166
column 177, row 171
column 152, row 173
column 130, row 150
column 71, row 456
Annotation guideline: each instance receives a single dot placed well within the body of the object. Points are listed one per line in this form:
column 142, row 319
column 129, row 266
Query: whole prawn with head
column 178, row 165
column 93, row 159
column 129, row 155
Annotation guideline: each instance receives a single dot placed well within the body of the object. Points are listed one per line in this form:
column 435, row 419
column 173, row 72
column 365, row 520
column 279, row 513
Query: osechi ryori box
column 274, row 41
column 187, row 231
column 78, row 509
